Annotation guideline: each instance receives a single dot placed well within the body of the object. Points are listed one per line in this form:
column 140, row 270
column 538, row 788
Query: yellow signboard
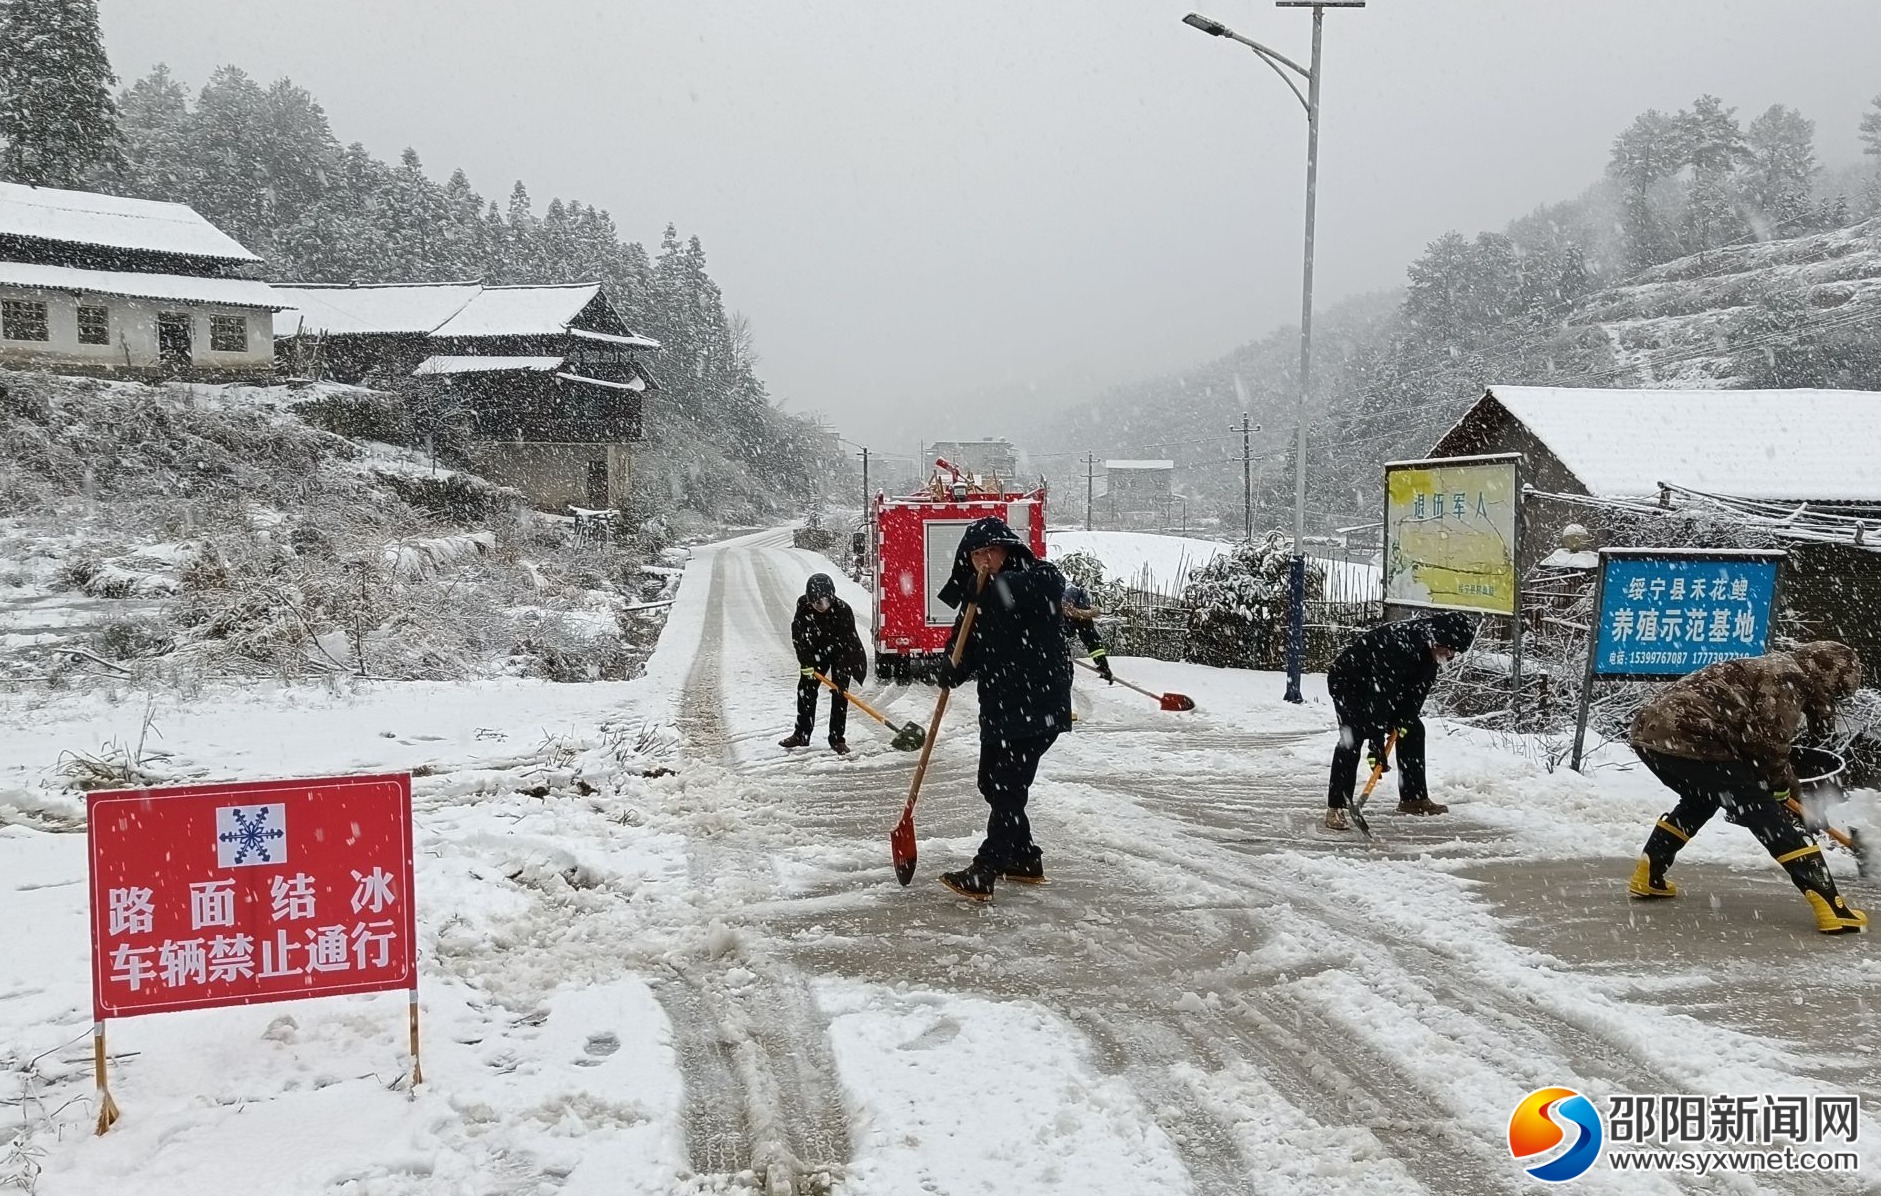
column 1450, row 528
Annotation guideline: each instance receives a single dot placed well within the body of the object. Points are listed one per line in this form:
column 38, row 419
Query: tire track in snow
column 761, row 1097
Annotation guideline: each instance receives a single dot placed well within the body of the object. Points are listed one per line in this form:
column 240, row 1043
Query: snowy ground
column 708, row 981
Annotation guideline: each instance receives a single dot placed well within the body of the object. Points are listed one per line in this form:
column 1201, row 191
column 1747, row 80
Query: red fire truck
column 915, row 540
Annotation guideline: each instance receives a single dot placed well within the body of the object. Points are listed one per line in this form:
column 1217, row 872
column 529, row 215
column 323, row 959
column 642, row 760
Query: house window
column 94, row 325
column 23, row 320
column 228, row 334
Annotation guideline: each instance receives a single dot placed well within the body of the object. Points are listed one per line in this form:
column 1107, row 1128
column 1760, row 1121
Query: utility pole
column 868, row 517
column 1090, row 486
column 1247, row 479
column 1247, row 475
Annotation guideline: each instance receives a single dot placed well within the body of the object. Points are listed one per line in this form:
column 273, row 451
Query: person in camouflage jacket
column 1721, row 739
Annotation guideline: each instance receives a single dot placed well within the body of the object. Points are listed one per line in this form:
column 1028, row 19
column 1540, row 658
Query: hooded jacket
column 1751, row 709
column 1016, row 650
column 1383, row 676
column 827, row 640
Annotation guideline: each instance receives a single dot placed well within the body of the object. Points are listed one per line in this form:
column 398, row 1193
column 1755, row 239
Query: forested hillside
column 1713, row 253
column 262, row 163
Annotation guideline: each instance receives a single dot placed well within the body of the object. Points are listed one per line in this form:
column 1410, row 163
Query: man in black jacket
column 825, row 637
column 1378, row 684
column 1016, row 650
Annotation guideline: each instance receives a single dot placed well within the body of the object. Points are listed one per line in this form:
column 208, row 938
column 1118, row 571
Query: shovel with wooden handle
column 901, row 839
column 1850, row 839
column 1168, row 701
column 1365, row 795
column 908, row 736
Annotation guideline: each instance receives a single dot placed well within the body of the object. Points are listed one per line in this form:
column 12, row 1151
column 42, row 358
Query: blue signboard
column 1668, row 614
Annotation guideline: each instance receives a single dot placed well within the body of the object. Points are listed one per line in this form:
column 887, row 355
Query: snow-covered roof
column 1129, row 465
column 341, row 310
column 520, row 310
column 87, row 218
column 445, row 364
column 636, row 384
column 638, row 342
column 1761, row 444
column 175, row 288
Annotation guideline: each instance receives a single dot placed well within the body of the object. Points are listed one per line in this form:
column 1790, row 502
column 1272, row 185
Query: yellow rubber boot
column 1642, row 885
column 1833, row 915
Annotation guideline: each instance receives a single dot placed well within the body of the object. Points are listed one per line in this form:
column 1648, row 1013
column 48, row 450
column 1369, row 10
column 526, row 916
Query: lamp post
column 1281, row 64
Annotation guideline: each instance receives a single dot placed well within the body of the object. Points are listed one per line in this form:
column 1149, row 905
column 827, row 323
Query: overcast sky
column 971, row 206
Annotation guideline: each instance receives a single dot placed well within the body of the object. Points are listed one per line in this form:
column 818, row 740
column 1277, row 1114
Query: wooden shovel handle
column 940, row 703
column 1378, row 769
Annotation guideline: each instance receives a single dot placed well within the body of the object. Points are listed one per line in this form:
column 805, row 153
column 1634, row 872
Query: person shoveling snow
column 823, row 632
column 1722, row 738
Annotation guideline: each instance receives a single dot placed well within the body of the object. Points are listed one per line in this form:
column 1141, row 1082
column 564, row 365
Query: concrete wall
column 133, row 347
column 554, row 477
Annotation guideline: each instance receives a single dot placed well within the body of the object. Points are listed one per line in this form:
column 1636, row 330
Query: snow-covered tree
column 1648, row 153
column 228, row 175
column 1780, row 163
column 1715, row 147
column 152, row 113
column 58, row 119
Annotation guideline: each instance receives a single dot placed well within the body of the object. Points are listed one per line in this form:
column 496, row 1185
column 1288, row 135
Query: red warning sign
column 264, row 891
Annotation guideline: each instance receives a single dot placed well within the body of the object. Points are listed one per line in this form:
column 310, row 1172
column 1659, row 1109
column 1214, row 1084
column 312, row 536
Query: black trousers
column 1354, row 733
column 1707, row 786
column 807, row 689
column 1007, row 769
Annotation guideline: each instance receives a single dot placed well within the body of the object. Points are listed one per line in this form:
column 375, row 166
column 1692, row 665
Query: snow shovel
column 1169, row 701
column 1849, row 839
column 1365, row 794
column 901, row 839
column 908, row 736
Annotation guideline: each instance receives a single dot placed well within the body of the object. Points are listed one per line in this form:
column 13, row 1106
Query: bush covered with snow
column 186, row 531
column 1237, row 603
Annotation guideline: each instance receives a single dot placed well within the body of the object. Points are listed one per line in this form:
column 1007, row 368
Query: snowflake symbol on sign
column 251, row 836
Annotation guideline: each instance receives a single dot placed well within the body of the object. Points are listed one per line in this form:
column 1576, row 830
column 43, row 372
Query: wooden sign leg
column 107, row 1108
column 417, row 1068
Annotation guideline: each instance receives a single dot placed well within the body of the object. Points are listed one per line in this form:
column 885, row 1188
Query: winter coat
column 1084, row 629
column 827, row 640
column 1016, row 650
column 1382, row 678
column 1751, row 709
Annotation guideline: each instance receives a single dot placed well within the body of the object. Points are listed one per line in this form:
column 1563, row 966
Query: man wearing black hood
column 1378, row 684
column 1016, row 650
column 826, row 641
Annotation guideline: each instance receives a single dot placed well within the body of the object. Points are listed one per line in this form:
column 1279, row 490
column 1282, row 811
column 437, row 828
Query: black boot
column 973, row 882
column 1028, row 871
column 1810, row 872
column 1662, row 846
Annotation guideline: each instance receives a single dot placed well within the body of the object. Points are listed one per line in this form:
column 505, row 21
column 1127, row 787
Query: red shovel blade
column 901, row 844
column 1177, row 702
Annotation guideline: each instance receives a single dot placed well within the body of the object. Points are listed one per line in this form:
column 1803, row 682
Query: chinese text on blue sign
column 1671, row 615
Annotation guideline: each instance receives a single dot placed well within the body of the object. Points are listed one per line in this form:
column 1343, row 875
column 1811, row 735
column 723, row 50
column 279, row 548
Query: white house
column 105, row 285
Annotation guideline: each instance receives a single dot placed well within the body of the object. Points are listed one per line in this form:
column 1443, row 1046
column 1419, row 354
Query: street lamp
column 1281, row 64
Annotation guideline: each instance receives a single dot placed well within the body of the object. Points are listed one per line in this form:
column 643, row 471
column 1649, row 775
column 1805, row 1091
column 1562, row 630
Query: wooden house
column 99, row 284
column 544, row 384
column 1596, row 458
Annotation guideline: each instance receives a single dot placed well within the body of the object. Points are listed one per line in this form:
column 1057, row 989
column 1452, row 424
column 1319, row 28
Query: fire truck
column 915, row 539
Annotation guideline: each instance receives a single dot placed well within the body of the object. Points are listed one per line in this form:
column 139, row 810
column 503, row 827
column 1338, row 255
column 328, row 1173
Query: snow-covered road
column 710, row 981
